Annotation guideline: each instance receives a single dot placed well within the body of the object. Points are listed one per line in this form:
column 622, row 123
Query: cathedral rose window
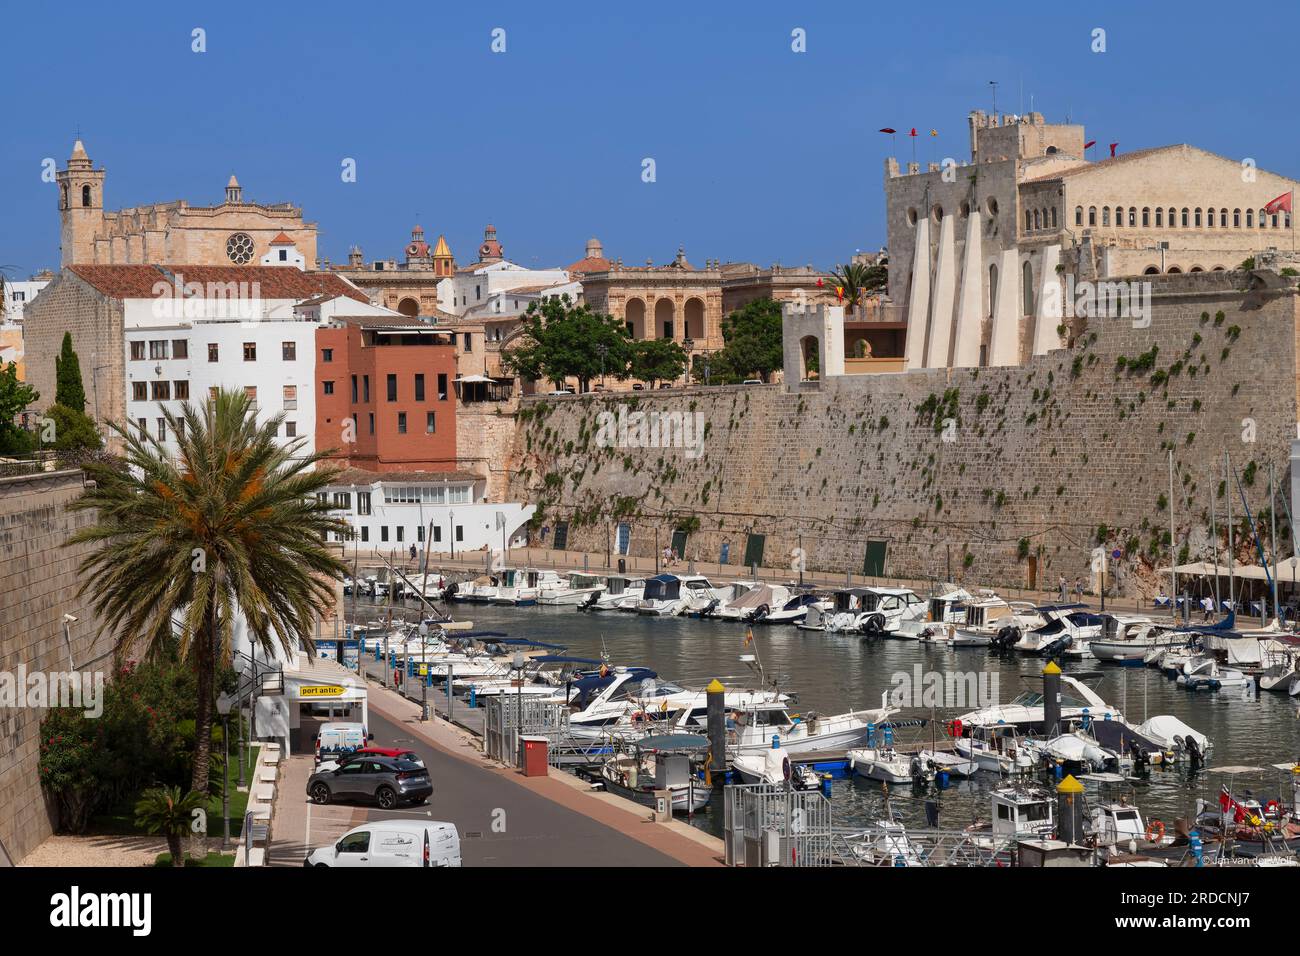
column 239, row 248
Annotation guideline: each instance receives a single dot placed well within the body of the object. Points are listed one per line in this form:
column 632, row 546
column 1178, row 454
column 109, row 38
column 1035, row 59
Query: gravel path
column 96, row 851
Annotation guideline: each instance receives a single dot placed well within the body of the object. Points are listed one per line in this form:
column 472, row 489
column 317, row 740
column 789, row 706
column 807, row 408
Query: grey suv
column 387, row 781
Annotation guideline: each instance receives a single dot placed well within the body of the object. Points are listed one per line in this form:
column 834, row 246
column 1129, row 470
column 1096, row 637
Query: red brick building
column 384, row 394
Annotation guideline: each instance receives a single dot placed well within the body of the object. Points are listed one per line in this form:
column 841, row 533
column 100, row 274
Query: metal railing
column 508, row 717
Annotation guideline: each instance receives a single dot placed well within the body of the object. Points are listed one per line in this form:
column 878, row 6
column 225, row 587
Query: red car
column 395, row 753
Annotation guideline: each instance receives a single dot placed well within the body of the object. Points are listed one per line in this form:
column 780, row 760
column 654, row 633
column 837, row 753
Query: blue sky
column 762, row 154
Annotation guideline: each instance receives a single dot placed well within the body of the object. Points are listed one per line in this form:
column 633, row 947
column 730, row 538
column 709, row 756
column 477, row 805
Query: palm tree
column 852, row 280
column 230, row 527
column 163, row 810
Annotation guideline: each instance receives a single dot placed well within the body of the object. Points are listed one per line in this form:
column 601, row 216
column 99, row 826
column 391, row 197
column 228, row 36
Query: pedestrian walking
column 1061, row 589
column 1078, row 589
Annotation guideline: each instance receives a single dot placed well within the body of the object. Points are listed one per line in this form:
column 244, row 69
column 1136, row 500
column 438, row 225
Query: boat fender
column 1155, row 831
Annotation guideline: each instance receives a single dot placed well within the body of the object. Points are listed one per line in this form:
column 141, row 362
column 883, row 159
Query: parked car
column 392, row 843
column 752, row 381
column 339, row 738
column 385, row 780
column 394, row 752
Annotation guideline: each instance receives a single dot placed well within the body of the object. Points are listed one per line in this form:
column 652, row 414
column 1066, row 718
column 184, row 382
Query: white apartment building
column 390, row 511
column 473, row 286
column 17, row 295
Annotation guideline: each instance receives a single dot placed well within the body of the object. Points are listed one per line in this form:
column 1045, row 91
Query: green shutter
column 873, row 566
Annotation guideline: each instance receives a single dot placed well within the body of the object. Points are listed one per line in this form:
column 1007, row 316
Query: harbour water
column 833, row 673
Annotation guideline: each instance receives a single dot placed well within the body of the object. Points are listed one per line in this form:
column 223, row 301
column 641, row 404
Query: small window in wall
column 137, row 351
column 181, row 390
column 383, row 533
column 363, row 502
column 460, row 533
column 392, row 387
column 213, row 351
column 1078, row 215
column 158, row 349
column 250, row 351
column 290, row 398
column 289, row 351
column 401, row 533
column 1105, row 215
column 290, row 429
column 371, row 418
column 139, row 391
column 1160, row 218
column 419, row 387
column 401, row 423
column 162, row 391
column 429, row 424
column 180, row 348
column 437, row 534
column 1092, row 215
column 365, row 388
column 365, row 532
column 623, row 537
column 469, row 342
column 250, row 392
column 442, row 386
column 327, row 387
column 327, row 355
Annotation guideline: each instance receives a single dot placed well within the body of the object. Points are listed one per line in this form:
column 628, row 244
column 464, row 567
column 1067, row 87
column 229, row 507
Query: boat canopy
column 756, row 598
column 663, row 587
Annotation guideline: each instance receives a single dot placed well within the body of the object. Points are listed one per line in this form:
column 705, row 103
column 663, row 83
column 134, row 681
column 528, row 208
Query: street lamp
column 424, row 659
column 689, row 344
column 224, row 704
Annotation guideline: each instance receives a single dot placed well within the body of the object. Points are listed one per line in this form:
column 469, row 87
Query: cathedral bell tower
column 81, row 207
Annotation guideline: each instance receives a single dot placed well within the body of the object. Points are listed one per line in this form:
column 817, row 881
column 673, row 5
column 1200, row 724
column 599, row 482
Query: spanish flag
column 749, row 636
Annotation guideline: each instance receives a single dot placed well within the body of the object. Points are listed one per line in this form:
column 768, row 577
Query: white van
column 392, row 843
column 339, row 738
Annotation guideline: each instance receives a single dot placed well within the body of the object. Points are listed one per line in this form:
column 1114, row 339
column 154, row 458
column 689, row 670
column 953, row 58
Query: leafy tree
column 656, row 360
column 14, row 397
column 230, row 528
column 163, row 810
column 73, row 430
column 753, row 341
column 562, row 340
column 68, row 390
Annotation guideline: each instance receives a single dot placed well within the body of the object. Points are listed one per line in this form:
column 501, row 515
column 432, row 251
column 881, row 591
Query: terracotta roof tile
column 274, row 282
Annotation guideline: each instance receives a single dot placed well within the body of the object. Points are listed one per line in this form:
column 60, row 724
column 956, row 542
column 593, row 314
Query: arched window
column 1236, row 219
column 1146, row 216
column 1151, row 271
column 1092, row 215
column 993, row 290
column 1029, row 220
column 1132, row 215
column 1174, row 270
column 85, row 195
column 1160, row 216
column 1037, row 220
column 64, row 187
column 1198, row 217
column 1250, row 219
column 1273, row 223
column 1184, row 220
column 1223, row 219
column 1027, row 286
column 1053, row 217
column 1173, row 217
column 1105, row 215
column 1078, row 215
column 1263, row 219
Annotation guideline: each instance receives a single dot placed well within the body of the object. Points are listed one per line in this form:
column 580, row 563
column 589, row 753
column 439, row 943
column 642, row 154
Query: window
column 143, row 423
column 1105, row 215
column 442, row 386
column 181, row 390
column 401, row 423
column 469, row 342
column 327, row 387
column 290, row 398
column 1029, row 220
column 437, row 534
column 327, row 355
column 365, row 388
column 162, row 391
column 354, row 389
column 1160, row 216
column 1250, row 219
column 1132, row 215
column 289, row 351
column 363, row 502
column 158, row 349
column 85, row 195
column 668, row 329
column 180, row 348
column 383, row 533
column 401, row 533
column 1092, row 215
column 180, row 429
column 139, row 391
column 1198, row 217
column 365, row 532
column 1053, row 217
column 250, row 351
column 392, row 387
column 1146, row 216
column 372, row 423
column 162, row 429
column 419, row 534
column 419, row 387
column 212, row 393
column 137, row 351
column 429, row 423
column 1184, row 217
column 1027, row 287
column 343, row 500
column 290, row 429
column 460, row 532
column 1236, row 219
column 250, row 392
column 212, row 351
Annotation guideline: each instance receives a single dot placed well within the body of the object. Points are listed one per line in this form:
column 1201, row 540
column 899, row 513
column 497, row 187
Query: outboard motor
column 874, row 625
column 1193, row 752
column 590, row 602
column 709, row 608
column 450, row 591
column 1005, row 637
column 761, row 612
column 1057, row 647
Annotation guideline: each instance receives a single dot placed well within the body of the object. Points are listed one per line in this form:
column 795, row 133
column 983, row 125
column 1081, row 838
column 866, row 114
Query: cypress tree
column 69, row 391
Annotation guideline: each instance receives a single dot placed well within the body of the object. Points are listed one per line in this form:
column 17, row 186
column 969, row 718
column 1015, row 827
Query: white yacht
column 883, row 763
column 1025, row 712
column 578, row 588
column 667, row 595
column 618, row 590
column 522, row 588
column 769, row 766
column 753, row 605
column 1068, row 631
column 874, row 611
column 1128, row 638
column 796, row 610
column 757, row 726
column 989, row 616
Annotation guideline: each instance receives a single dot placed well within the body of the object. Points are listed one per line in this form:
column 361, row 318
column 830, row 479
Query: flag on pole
column 913, row 133
column 1281, row 204
column 839, row 292
column 1090, row 144
column 934, row 132
column 749, row 636
column 889, row 131
column 1113, row 147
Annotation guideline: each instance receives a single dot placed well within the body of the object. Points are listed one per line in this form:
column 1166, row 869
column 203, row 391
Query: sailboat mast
column 1173, row 555
column 1232, row 554
column 1214, row 541
column 1272, row 515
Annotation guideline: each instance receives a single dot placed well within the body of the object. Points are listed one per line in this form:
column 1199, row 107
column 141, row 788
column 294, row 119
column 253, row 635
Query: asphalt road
column 504, row 824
